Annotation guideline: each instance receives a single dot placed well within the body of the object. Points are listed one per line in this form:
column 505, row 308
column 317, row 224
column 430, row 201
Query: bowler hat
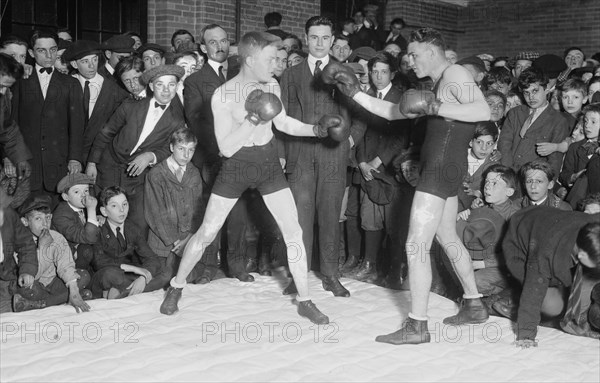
column 81, row 48
column 161, row 70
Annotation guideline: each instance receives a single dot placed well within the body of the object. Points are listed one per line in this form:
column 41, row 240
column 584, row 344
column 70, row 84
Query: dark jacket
column 16, row 238
column 66, row 221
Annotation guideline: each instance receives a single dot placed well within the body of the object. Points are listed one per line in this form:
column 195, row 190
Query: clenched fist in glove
column 421, row 102
column 342, row 76
column 332, row 125
column 262, row 107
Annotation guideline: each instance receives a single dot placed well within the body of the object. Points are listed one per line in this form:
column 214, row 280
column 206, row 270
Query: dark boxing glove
column 332, row 125
column 262, row 107
column 421, row 102
column 342, row 76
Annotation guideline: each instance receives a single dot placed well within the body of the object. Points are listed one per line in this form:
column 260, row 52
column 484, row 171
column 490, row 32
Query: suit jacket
column 16, row 238
column 537, row 248
column 550, row 126
column 110, row 97
column 173, row 209
column 475, row 183
column 576, row 159
column 307, row 99
column 66, row 221
column 197, row 93
column 106, row 74
column 383, row 138
column 400, row 40
column 108, row 251
column 551, row 201
column 52, row 127
column 123, row 129
column 12, row 144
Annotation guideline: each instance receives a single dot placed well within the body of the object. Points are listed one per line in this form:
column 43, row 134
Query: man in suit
column 395, row 36
column 317, row 167
column 526, row 125
column 198, row 91
column 383, row 140
column 136, row 137
column 115, row 49
column 100, row 98
column 47, row 106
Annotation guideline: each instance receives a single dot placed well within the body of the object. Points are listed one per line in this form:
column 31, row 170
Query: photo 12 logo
column 71, row 332
column 272, row 332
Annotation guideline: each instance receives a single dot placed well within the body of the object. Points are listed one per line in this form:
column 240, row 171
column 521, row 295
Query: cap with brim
column 74, row 179
column 162, row 70
column 151, row 47
column 63, row 44
column 474, row 61
column 35, row 202
column 80, row 49
column 382, row 188
column 119, row 44
column 365, row 53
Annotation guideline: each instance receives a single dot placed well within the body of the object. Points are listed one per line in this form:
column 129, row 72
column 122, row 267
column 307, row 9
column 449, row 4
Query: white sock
column 177, row 285
column 476, row 296
column 413, row 316
column 303, row 299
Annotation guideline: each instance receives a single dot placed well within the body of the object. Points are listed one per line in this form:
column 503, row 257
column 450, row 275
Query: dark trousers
column 56, row 293
column 112, row 276
column 317, row 180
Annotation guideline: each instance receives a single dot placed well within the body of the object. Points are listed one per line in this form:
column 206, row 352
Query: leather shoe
column 506, row 308
column 308, row 310
column 251, row 265
column 86, row 294
column 169, row 305
column 472, row 311
column 333, row 284
column 350, row 264
column 290, row 289
column 412, row 332
column 244, row 277
column 21, row 303
column 366, row 270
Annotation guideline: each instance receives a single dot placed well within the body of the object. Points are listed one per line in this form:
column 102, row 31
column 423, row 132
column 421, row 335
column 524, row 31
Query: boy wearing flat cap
column 56, row 280
column 100, row 98
column 153, row 55
column 115, row 49
column 75, row 217
column 137, row 137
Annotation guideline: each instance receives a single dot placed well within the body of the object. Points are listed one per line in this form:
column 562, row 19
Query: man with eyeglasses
column 47, row 106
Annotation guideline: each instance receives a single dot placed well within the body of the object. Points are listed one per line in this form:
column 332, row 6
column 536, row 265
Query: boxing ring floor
column 233, row 331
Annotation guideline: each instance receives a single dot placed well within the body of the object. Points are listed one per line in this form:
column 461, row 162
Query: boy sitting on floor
column 123, row 262
column 482, row 228
column 56, row 281
column 70, row 219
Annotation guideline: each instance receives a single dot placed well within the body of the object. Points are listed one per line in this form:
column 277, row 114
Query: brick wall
column 164, row 17
column 505, row 27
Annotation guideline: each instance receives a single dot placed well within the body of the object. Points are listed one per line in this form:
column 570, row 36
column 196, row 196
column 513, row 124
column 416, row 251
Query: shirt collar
column 113, row 227
column 37, row 70
column 312, row 61
column 110, row 69
column 97, row 79
column 540, row 202
column 173, row 165
column 384, row 91
column 215, row 65
column 75, row 209
column 153, row 100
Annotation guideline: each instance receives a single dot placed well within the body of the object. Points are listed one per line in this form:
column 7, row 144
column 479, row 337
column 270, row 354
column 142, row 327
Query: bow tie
column 590, row 147
column 157, row 105
column 47, row 70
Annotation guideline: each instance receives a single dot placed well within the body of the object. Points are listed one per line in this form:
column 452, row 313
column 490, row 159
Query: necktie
column 179, row 173
column 157, row 105
column 380, row 95
column 86, row 99
column 318, row 68
column 221, row 75
column 47, row 70
column 121, row 239
column 82, row 216
column 527, row 124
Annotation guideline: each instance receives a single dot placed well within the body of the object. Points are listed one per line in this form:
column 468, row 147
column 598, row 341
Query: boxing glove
column 421, row 102
column 342, row 76
column 262, row 107
column 332, row 125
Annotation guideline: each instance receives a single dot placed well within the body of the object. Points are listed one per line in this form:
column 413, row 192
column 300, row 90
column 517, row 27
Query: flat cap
column 74, row 179
column 81, row 48
column 119, row 44
column 162, row 70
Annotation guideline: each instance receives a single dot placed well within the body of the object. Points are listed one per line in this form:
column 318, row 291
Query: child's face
column 183, row 152
column 482, row 146
column 577, row 134
column 164, row 88
column 595, row 87
column 572, row 101
column 410, row 171
column 592, row 125
column 496, row 107
column 116, row 209
column 76, row 195
column 537, row 185
column 512, row 102
column 495, row 189
column 535, row 95
column 592, row 208
column 520, row 66
column 381, row 75
column 37, row 222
